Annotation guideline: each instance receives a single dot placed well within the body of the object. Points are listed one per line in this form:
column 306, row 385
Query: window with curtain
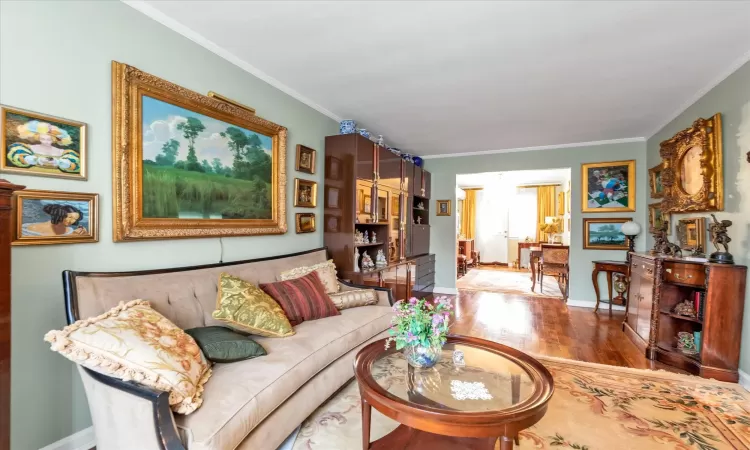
column 522, row 219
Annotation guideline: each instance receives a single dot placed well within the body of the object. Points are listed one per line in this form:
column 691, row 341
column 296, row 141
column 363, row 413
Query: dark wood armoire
column 6, row 222
column 370, row 189
column 717, row 293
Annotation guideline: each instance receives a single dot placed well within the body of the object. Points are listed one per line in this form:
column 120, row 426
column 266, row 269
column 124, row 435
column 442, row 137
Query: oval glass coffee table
column 496, row 392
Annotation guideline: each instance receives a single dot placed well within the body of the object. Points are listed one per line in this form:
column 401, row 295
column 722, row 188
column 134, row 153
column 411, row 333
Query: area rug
column 507, row 282
column 594, row 407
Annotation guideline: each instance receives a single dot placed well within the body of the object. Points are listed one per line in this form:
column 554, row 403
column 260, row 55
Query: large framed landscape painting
column 604, row 234
column 608, row 187
column 187, row 165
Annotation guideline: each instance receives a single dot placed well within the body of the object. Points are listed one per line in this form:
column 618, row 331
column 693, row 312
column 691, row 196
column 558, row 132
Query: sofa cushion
column 302, row 298
column 240, row 395
column 354, row 298
column 326, row 271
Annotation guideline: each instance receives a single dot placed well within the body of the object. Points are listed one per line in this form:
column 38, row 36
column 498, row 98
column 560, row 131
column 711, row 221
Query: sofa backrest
column 186, row 296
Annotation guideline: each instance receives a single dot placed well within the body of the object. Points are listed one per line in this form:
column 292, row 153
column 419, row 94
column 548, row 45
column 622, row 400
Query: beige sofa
column 253, row 404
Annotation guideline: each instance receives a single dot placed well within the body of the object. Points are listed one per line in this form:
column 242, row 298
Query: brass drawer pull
column 650, row 271
column 677, row 275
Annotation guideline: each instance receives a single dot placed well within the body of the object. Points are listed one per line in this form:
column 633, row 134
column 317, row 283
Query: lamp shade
column 630, row 228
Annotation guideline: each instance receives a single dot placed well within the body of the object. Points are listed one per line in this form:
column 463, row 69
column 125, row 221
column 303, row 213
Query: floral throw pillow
column 326, row 272
column 133, row 342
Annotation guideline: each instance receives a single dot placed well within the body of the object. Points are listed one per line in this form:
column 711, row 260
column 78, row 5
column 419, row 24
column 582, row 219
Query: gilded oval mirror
column 691, row 176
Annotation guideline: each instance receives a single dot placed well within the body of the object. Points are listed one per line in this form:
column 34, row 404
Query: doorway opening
column 513, row 232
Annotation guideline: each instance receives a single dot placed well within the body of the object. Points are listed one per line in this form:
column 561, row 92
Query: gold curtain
column 469, row 213
column 545, row 207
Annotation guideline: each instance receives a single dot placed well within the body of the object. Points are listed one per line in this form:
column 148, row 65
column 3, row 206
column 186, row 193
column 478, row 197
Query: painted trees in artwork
column 168, row 155
column 191, row 128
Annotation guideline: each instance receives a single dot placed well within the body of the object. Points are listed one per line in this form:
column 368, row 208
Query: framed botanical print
column 304, row 222
column 305, row 193
column 443, row 207
column 333, row 197
column 188, row 165
column 52, row 217
column 608, row 187
column 604, row 234
column 305, row 161
column 42, row 145
column 654, row 181
column 657, row 218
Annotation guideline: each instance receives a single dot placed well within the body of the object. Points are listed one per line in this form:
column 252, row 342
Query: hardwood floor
column 546, row 326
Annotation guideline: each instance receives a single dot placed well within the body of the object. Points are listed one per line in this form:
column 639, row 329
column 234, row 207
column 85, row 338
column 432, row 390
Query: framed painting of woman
column 51, row 217
column 42, row 145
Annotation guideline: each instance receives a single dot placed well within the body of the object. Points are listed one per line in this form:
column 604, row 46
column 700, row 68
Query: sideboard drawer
column 642, row 266
column 692, row 274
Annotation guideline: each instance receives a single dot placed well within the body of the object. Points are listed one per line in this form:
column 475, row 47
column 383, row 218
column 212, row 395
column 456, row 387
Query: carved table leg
column 506, row 443
column 595, row 280
column 366, row 410
column 533, row 272
column 609, row 289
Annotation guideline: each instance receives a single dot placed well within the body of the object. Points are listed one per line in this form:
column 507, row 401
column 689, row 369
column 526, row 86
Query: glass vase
column 422, row 357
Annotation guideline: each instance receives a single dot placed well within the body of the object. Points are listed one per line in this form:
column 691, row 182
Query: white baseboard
column 442, row 290
column 585, row 304
column 82, row 440
column 744, row 380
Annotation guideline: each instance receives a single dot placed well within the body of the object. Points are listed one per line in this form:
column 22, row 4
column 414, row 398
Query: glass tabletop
column 486, row 381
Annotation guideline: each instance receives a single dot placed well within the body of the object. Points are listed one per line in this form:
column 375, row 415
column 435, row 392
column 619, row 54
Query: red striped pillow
column 302, row 298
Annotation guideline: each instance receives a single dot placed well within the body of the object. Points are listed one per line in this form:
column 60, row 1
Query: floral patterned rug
column 593, row 407
column 507, row 282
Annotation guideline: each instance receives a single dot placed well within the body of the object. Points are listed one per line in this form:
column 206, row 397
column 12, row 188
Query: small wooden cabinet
column 658, row 284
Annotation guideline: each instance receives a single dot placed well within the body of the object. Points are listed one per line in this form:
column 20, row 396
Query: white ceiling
column 516, row 177
column 443, row 77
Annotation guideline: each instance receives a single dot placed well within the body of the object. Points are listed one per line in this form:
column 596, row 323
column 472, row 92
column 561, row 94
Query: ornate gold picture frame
column 241, row 201
column 658, row 218
column 55, row 217
column 691, row 234
column 693, row 175
column 608, row 187
column 443, row 207
column 654, row 181
column 304, row 222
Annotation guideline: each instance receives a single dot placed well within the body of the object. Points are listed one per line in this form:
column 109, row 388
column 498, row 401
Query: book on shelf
column 699, row 303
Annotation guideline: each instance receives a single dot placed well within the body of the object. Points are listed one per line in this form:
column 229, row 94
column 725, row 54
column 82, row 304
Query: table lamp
column 630, row 229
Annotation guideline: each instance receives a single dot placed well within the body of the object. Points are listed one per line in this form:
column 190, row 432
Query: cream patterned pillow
column 354, row 298
column 133, row 342
column 326, row 272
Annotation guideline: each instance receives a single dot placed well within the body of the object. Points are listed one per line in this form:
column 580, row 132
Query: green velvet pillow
column 222, row 345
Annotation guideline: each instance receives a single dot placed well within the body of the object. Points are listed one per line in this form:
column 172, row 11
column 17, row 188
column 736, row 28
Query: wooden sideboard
column 658, row 283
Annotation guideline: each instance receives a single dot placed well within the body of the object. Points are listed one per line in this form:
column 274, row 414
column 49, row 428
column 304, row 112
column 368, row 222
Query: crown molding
column 541, row 147
column 148, row 10
column 706, row 89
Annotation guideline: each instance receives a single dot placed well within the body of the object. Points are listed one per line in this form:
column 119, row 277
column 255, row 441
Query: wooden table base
column 407, row 438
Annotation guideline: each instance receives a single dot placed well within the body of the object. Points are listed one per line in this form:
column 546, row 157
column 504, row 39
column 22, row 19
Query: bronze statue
column 662, row 244
column 719, row 237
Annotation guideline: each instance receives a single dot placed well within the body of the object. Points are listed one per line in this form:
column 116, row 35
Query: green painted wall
column 444, row 171
column 55, row 58
column 731, row 98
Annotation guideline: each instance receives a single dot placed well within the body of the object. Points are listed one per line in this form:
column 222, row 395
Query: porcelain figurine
column 367, row 263
column 364, row 133
column 686, row 343
column 380, row 260
column 366, row 238
column 347, row 127
column 381, row 142
column 419, row 220
column 359, row 238
column 356, row 260
column 420, row 205
column 374, row 238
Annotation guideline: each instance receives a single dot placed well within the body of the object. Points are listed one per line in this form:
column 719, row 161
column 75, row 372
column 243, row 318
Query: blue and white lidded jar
column 364, row 133
column 347, row 127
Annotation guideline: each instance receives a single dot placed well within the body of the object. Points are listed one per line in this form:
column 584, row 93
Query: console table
column 610, row 267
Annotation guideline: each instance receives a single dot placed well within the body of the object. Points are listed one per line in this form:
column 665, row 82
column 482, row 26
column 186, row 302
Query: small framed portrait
column 332, row 224
column 394, row 205
column 658, row 218
column 305, row 161
column 305, row 193
column 367, row 204
column 51, row 217
column 332, row 197
column 443, row 207
column 604, row 234
column 608, row 187
column 333, row 168
column 38, row 144
column 304, row 222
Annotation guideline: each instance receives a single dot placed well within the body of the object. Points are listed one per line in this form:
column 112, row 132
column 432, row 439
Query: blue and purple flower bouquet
column 420, row 327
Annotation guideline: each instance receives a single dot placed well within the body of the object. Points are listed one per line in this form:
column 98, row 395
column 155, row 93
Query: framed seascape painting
column 604, row 234
column 50, row 217
column 187, row 165
column 608, row 187
column 38, row 144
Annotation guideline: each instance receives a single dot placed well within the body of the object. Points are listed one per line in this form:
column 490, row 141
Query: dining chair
column 555, row 261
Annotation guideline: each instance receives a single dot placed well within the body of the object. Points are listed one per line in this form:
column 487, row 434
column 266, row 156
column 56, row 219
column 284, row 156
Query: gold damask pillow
column 133, row 342
column 326, row 272
column 354, row 298
column 245, row 307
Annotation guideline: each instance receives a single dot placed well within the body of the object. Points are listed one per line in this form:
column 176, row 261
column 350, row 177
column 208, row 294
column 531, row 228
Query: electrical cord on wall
column 221, row 255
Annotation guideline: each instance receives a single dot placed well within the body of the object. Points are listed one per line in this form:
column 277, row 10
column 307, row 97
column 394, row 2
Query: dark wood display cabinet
column 376, row 194
column 717, row 294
